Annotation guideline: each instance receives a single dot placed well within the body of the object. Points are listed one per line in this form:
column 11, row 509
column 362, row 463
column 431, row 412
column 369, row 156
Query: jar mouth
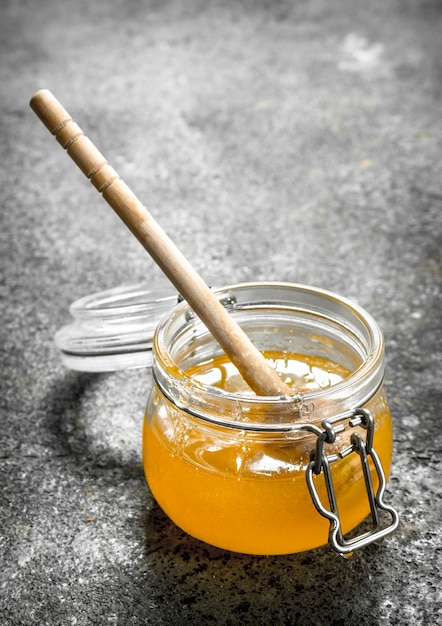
column 181, row 338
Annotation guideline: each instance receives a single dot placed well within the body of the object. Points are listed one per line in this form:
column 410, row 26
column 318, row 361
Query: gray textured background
column 282, row 140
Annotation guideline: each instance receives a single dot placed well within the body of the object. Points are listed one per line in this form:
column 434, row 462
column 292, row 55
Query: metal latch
column 320, row 462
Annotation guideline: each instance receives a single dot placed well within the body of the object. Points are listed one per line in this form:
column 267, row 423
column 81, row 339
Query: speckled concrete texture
column 286, row 140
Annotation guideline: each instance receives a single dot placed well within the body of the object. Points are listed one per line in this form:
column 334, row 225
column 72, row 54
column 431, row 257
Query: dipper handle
column 248, row 359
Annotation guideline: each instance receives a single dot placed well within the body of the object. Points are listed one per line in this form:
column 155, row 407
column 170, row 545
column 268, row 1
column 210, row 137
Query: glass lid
column 113, row 330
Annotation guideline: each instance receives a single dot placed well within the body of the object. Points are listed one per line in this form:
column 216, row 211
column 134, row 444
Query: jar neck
column 278, row 314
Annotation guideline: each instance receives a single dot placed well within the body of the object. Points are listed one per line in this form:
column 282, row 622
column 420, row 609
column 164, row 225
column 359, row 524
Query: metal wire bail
column 320, row 462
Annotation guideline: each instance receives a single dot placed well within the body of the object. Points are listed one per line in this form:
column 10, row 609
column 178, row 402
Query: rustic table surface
column 289, row 140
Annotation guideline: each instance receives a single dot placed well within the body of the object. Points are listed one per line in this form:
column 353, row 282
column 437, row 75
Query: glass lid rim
column 121, row 301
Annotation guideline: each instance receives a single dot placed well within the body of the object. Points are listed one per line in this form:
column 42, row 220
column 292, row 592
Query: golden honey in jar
column 231, row 468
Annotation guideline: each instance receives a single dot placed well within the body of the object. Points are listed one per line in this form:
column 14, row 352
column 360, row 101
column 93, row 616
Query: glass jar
column 272, row 475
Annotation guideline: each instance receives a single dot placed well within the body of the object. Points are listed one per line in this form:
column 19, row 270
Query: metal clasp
column 320, row 462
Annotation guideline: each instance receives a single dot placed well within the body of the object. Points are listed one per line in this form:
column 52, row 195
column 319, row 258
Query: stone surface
column 296, row 141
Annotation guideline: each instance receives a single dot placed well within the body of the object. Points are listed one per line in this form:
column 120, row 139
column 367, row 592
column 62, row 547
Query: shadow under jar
column 272, row 475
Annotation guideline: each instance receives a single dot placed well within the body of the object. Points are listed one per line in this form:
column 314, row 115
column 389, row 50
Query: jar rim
column 371, row 368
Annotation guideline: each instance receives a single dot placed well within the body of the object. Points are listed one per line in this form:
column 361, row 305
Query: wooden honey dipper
column 249, row 361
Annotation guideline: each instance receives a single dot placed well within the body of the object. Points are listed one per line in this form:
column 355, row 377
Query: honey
column 249, row 493
column 228, row 467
